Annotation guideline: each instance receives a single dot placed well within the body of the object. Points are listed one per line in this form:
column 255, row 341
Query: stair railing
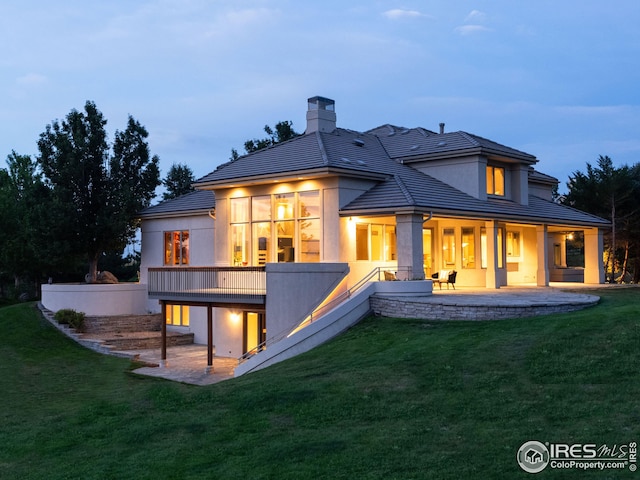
column 320, row 310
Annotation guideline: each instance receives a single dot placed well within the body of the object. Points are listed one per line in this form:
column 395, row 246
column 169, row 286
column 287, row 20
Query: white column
column 542, row 275
column 409, row 246
column 593, row 256
column 492, row 280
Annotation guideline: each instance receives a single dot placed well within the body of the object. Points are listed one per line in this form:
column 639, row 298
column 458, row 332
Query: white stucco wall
column 96, row 299
column 201, row 244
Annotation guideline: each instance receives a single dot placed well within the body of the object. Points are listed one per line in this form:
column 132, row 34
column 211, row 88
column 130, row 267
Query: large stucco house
column 268, row 237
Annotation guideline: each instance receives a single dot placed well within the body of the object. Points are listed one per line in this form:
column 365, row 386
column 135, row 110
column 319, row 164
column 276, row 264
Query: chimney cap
column 321, row 103
column 441, row 127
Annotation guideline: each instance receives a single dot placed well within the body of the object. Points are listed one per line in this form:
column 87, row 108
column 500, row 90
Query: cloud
column 465, row 30
column 31, row 79
column 476, row 16
column 399, row 14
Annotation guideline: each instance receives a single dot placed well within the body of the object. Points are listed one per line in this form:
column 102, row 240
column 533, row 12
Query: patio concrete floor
column 188, row 364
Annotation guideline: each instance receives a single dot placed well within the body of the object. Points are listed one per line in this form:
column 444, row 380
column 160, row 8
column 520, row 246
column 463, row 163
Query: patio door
column 427, row 251
column 255, row 331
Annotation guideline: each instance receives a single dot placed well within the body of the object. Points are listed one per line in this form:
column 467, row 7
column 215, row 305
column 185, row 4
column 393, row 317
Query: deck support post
column 163, row 329
column 209, row 368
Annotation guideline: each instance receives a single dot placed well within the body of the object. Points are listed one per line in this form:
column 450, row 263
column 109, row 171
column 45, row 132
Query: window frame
column 176, row 242
column 182, row 312
column 468, row 233
column 491, row 181
column 288, row 215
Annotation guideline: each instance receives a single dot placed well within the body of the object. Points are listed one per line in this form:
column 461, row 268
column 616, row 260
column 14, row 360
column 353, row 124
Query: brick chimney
column 321, row 115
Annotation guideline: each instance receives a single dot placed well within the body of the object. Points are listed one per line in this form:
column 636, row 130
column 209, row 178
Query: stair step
column 142, row 340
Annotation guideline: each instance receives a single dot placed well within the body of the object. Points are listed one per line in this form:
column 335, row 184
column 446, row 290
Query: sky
column 557, row 79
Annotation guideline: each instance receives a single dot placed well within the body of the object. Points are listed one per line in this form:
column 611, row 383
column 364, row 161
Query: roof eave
column 183, row 213
column 289, row 176
column 466, row 214
column 480, row 151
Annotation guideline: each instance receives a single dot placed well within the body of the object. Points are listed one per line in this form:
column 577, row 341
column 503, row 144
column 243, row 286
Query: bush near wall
column 70, row 317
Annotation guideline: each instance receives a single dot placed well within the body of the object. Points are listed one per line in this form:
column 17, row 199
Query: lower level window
column 177, row 315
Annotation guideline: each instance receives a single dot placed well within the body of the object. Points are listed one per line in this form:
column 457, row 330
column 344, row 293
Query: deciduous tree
column 95, row 194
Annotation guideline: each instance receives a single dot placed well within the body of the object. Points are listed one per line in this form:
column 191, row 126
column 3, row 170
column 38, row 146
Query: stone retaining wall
column 148, row 341
column 123, row 323
column 404, row 308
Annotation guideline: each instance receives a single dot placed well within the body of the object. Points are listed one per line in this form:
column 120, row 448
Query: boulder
column 102, row 277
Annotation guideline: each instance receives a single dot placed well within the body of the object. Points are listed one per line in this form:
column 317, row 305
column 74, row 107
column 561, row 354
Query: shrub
column 70, row 317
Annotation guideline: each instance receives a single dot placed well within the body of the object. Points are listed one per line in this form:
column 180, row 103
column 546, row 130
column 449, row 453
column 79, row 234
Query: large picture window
column 284, row 227
column 495, row 181
column 468, row 247
column 176, row 248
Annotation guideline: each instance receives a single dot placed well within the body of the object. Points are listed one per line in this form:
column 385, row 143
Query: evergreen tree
column 179, row 180
column 95, row 195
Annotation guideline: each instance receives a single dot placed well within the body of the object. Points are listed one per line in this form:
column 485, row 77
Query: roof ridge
column 323, row 151
column 403, row 189
column 470, row 137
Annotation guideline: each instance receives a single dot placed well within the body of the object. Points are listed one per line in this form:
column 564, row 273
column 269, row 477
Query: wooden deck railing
column 207, row 283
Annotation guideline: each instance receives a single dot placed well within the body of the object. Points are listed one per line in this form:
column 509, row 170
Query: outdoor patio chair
column 390, row 276
column 445, row 276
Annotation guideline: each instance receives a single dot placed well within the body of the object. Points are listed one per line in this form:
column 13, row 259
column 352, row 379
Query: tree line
column 612, row 193
column 74, row 206
column 76, row 203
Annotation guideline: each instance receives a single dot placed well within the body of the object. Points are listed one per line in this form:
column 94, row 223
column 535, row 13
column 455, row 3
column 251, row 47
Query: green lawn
column 390, row 399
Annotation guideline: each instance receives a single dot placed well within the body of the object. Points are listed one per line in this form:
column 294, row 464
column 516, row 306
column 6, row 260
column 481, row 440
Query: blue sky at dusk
column 556, row 79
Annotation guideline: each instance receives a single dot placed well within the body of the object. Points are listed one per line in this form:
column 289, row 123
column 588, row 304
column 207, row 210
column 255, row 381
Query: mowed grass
column 391, row 398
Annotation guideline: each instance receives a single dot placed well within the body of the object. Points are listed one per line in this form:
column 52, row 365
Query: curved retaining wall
column 465, row 308
column 96, row 299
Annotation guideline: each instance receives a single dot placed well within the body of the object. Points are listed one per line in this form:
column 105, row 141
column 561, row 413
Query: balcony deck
column 212, row 285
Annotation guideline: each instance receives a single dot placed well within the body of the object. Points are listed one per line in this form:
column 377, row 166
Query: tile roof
column 418, row 143
column 416, row 190
column 384, row 154
column 540, row 177
column 199, row 201
column 341, row 149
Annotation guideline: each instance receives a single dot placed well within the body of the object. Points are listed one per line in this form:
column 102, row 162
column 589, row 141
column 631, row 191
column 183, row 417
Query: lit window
column 362, row 241
column 239, row 230
column 483, row 247
column 468, row 248
column 375, row 242
column 499, row 237
column 240, row 243
column 513, row 244
column 389, row 243
column 309, row 226
column 448, row 247
column 284, row 227
column 177, row 315
column 495, row 181
column 261, row 243
column 176, row 248
column 309, row 240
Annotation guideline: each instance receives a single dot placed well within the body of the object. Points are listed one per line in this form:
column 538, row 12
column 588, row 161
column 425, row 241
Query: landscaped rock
column 102, row 277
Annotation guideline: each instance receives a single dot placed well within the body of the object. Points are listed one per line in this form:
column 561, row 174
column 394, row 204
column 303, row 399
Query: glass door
column 427, row 246
column 255, row 332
